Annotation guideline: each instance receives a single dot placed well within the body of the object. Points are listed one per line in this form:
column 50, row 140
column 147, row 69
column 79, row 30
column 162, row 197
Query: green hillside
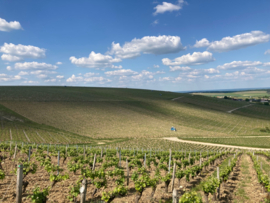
column 84, row 114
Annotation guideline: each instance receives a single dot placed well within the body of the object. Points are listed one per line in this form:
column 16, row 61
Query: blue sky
column 171, row 45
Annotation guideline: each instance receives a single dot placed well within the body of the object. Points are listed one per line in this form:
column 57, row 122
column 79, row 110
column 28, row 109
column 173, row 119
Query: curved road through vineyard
column 175, row 139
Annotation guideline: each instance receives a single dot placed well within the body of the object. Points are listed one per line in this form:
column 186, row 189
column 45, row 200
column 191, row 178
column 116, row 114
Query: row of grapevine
column 105, row 170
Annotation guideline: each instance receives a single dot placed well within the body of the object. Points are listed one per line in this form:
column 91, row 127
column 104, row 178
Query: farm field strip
column 109, row 156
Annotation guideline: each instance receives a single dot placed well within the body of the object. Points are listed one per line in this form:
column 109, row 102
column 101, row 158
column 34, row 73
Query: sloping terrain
column 122, row 113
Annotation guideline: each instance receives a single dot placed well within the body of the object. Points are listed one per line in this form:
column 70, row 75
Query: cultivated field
column 129, row 113
column 241, row 95
column 113, row 139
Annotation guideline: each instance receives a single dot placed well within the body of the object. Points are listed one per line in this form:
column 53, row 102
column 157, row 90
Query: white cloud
column 238, row 65
column 159, row 72
column 116, row 67
column 97, row 79
column 100, row 80
column 267, row 51
column 148, row 45
column 206, row 76
column 144, row 75
column 50, row 80
column 38, row 72
column 8, row 78
column 266, row 64
column 9, row 68
column 121, row 72
column 22, row 51
column 23, row 73
column 73, row 78
column 90, row 74
column 42, row 76
column 155, row 22
column 202, row 43
column 211, row 70
column 30, row 82
column 34, row 65
column 156, row 66
column 183, row 68
column 197, row 58
column 168, row 7
column 177, row 79
column 8, row 26
column 95, row 60
column 162, row 79
column 60, row 76
column 8, row 57
column 59, row 63
column 239, row 41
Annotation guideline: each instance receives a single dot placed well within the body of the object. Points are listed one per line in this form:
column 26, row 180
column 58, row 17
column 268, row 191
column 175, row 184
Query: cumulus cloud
column 197, row 58
column 38, row 72
column 162, row 79
column 73, row 78
column 148, row 45
column 202, row 43
column 9, row 68
column 60, row 76
column 121, row 72
column 30, row 82
column 8, row 26
column 8, row 78
column 34, row 65
column 177, row 79
column 168, row 7
column 42, row 76
column 239, row 65
column 20, row 52
column 211, row 70
column 179, row 68
column 90, row 74
column 116, row 67
column 143, row 75
column 155, row 22
column 8, row 57
column 156, row 66
column 267, row 51
column 23, row 73
column 239, row 41
column 50, row 80
column 100, row 80
column 266, row 64
column 95, row 60
column 59, row 63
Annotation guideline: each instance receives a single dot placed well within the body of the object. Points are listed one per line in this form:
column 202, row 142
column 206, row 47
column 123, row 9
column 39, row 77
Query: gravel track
column 175, row 139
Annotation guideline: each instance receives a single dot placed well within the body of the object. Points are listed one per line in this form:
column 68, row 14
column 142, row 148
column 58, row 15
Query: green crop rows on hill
column 85, row 114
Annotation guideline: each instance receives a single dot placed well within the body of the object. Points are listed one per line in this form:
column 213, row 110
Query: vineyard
column 55, row 173
column 102, row 113
column 74, row 144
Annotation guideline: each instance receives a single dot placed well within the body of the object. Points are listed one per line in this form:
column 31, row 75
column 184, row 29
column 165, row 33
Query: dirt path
column 177, row 98
column 239, row 108
column 175, row 139
column 248, row 189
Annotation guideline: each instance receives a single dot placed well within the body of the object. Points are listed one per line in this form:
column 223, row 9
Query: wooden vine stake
column 94, row 162
column 175, row 196
column 218, row 189
column 19, row 183
column 173, row 175
column 15, row 152
column 127, row 172
column 170, row 160
column 58, row 161
column 83, row 190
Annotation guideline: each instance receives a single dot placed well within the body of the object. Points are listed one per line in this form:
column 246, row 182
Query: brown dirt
column 243, row 185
